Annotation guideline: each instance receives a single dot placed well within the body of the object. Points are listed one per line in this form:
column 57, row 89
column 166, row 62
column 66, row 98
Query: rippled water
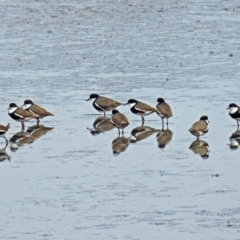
column 65, row 182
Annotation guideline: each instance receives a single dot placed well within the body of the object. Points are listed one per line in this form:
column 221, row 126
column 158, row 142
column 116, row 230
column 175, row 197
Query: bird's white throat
column 233, row 110
column 26, row 106
column 12, row 109
column 132, row 104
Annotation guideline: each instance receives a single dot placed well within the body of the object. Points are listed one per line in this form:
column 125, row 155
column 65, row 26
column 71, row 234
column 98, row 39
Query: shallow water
column 67, row 184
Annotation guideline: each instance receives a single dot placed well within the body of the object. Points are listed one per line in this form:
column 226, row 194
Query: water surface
column 67, row 184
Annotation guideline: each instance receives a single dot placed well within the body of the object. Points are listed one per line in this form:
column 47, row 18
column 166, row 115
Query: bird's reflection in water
column 32, row 133
column 3, row 154
column 164, row 137
column 142, row 132
column 119, row 145
column 200, row 147
column 234, row 140
column 101, row 125
column 38, row 131
column 19, row 139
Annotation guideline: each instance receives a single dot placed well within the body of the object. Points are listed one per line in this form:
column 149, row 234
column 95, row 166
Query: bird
column 140, row 108
column 3, row 130
column 163, row 110
column 119, row 145
column 119, row 120
column 103, row 104
column 164, row 137
column 38, row 111
column 200, row 147
column 200, row 127
column 234, row 112
column 19, row 114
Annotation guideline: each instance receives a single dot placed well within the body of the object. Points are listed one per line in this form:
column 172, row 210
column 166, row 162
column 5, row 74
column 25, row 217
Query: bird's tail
column 8, row 126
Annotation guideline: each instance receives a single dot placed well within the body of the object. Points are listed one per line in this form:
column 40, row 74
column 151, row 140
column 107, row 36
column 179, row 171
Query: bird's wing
column 24, row 114
column 198, row 126
column 143, row 107
column 106, row 103
column 39, row 110
column 165, row 109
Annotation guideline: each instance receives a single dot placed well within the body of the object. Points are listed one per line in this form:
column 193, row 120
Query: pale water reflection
column 101, row 125
column 234, row 140
column 141, row 133
column 3, row 154
column 200, row 147
column 164, row 137
column 29, row 136
column 119, row 144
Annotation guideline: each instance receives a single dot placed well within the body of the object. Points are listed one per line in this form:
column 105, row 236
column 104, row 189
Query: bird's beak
column 208, row 121
column 227, row 108
column 125, row 104
column 88, row 99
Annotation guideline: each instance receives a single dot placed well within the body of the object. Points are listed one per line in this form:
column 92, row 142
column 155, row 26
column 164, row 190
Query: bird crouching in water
column 35, row 109
column 200, row 127
column 119, row 120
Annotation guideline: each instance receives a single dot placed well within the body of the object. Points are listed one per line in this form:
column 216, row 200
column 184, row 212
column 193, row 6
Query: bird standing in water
column 38, row 111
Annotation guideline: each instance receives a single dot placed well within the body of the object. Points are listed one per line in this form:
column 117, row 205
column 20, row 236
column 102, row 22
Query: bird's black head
column 131, row 101
column 114, row 111
column 12, row 105
column 160, row 100
column 204, row 118
column 232, row 105
column 28, row 101
column 93, row 96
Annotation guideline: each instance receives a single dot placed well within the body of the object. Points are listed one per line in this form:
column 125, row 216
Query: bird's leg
column 38, row 121
column 167, row 123
column 118, row 132
column 104, row 114
column 122, row 132
column 162, row 122
column 237, row 125
column 143, row 120
column 23, row 126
